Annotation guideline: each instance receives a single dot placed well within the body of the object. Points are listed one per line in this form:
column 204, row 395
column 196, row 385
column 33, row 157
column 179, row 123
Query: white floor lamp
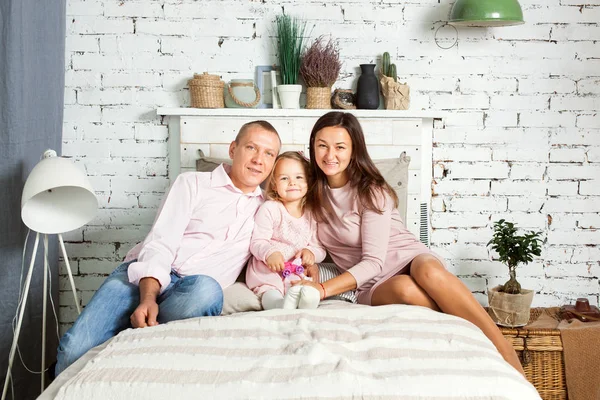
column 57, row 198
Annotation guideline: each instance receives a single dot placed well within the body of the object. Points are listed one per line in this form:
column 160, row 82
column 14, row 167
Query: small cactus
column 387, row 68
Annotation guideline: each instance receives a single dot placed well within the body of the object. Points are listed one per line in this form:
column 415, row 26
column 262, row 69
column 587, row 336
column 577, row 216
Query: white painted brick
column 372, row 13
column 96, row 25
column 522, row 102
column 138, row 79
column 546, row 85
column 84, row 79
column 104, row 131
column 111, row 235
column 593, row 154
column 438, row 205
column 106, row 97
column 589, row 86
column 70, row 96
column 154, row 97
column 524, row 32
column 439, row 236
column 70, row 131
column 481, row 236
column 96, row 266
column 82, row 113
column 566, row 188
column 135, row 185
column 569, row 171
column 122, row 200
column 518, row 188
column 81, row 43
column 150, row 200
column 87, row 149
column 575, row 32
column 575, row 136
column 128, row 113
column 151, row 132
column 87, row 7
column 589, row 188
column 525, row 220
column 214, row 10
column 127, row 44
column 533, row 171
column 100, row 183
column 462, row 154
column 433, row 83
column 462, row 119
column 67, row 314
column 474, row 101
column 488, row 170
column 546, row 119
column 501, row 119
column 525, row 204
column 472, row 84
column 462, row 251
column 477, row 204
column 138, row 150
column 65, row 297
column 480, row 268
column 466, row 187
column 559, row 254
column 569, row 103
column 101, row 62
column 75, row 250
column 522, row 153
column 126, row 217
column 576, row 220
column 567, row 155
column 564, row 13
column 459, row 220
column 132, row 9
column 585, row 253
column 591, row 204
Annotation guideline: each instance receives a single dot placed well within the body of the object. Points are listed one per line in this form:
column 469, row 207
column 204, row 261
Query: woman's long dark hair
column 362, row 172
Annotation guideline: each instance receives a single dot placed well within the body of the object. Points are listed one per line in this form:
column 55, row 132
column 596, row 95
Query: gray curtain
column 32, row 54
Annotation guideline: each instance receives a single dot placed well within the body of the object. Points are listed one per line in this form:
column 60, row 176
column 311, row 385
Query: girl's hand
column 316, row 285
column 313, row 272
column 307, row 256
column 276, row 262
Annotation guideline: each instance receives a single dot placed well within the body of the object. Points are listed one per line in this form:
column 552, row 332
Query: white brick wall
column 522, row 140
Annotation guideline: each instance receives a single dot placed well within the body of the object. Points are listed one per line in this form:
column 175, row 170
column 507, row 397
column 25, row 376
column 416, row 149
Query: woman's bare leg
column 434, row 287
column 402, row 289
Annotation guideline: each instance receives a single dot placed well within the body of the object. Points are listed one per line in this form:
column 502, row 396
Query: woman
column 362, row 230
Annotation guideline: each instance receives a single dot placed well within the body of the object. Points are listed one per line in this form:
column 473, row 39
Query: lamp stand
column 44, row 304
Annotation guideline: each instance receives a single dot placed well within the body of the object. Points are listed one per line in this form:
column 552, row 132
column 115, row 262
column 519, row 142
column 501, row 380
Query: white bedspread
column 391, row 352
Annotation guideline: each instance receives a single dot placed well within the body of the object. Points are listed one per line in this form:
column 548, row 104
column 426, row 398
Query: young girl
column 283, row 231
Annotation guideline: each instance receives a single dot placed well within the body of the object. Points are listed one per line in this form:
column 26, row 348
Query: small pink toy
column 293, row 271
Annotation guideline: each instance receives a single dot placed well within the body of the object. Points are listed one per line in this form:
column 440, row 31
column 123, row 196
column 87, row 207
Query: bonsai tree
column 514, row 249
column 290, row 37
column 320, row 64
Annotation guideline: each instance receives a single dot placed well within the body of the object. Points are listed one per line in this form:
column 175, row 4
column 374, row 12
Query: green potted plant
column 320, row 67
column 290, row 38
column 396, row 95
column 509, row 303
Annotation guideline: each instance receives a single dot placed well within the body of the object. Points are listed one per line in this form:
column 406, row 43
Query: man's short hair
column 263, row 124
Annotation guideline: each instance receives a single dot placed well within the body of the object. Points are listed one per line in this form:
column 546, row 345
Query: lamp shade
column 486, row 13
column 57, row 196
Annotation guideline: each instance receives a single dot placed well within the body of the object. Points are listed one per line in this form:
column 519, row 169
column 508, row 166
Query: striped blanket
column 392, row 352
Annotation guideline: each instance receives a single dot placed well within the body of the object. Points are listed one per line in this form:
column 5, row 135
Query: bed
column 338, row 351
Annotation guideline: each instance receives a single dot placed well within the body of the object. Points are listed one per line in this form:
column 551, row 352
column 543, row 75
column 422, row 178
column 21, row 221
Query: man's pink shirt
column 203, row 227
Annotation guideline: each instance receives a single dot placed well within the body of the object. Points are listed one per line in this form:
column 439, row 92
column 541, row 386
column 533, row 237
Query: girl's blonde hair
column 271, row 189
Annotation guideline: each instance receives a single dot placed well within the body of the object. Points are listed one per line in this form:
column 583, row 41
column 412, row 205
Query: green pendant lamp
column 486, row 13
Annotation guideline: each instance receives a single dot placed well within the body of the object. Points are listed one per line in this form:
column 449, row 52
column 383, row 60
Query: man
column 198, row 245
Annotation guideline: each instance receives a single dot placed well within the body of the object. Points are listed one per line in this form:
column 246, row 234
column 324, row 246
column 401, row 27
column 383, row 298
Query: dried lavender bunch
column 321, row 65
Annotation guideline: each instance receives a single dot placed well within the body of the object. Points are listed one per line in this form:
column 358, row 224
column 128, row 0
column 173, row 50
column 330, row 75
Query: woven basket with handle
column 206, row 91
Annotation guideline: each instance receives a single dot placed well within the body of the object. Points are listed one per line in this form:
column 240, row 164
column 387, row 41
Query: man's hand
column 313, row 272
column 307, row 256
column 276, row 262
column 145, row 314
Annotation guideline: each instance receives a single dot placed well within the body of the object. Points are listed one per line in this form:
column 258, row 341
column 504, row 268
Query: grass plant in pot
column 509, row 304
column 320, row 67
column 290, row 37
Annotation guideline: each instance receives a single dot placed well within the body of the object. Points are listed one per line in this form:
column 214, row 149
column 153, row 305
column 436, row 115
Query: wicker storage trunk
column 541, row 353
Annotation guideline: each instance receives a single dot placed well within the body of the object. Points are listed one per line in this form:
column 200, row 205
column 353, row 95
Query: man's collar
column 220, row 178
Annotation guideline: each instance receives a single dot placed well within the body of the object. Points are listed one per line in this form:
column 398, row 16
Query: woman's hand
column 316, row 285
column 313, row 272
column 307, row 256
column 276, row 262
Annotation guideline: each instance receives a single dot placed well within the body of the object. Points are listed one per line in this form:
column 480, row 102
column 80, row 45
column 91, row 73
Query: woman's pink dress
column 372, row 247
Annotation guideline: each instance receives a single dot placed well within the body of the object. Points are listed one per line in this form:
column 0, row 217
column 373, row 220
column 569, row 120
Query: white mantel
column 387, row 133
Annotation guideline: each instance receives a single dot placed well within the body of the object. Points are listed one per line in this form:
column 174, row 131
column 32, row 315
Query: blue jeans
column 109, row 310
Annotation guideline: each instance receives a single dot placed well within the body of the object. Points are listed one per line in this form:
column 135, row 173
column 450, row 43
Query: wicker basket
column 541, row 354
column 318, row 98
column 207, row 91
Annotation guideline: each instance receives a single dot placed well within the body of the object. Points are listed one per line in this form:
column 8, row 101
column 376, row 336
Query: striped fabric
column 351, row 352
column 329, row 271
